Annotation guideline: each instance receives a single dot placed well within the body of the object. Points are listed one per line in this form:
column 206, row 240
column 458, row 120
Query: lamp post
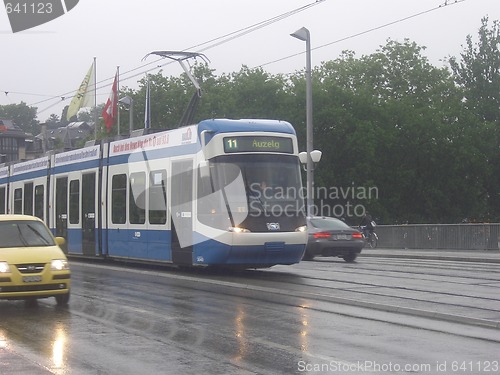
column 304, row 35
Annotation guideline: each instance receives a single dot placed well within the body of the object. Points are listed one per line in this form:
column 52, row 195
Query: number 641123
column 33, row 8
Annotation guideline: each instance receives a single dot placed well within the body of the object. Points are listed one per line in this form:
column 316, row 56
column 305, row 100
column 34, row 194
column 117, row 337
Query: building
column 64, row 138
column 12, row 142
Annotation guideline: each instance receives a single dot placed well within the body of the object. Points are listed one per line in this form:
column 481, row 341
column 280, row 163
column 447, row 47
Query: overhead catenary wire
column 446, row 3
column 215, row 42
column 230, row 36
column 208, row 44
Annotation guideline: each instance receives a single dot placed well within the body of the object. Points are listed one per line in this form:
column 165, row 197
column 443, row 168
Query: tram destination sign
column 245, row 143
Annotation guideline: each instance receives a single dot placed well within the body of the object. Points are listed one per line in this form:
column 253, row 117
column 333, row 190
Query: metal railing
column 440, row 236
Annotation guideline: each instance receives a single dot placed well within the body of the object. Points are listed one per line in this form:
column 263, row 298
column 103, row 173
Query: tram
column 219, row 193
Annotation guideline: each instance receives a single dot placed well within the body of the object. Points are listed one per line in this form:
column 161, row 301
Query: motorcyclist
column 367, row 225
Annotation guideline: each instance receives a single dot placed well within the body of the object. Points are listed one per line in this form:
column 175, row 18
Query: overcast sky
column 44, row 63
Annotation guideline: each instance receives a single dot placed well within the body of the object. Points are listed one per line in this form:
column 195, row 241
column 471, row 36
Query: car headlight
column 59, row 265
column 4, row 267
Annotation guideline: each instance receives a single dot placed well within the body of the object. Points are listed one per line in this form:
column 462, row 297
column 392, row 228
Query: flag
column 83, row 96
column 147, row 109
column 110, row 111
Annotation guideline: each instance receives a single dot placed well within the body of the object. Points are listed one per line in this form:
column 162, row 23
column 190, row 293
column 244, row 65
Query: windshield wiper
column 21, row 236
column 40, row 235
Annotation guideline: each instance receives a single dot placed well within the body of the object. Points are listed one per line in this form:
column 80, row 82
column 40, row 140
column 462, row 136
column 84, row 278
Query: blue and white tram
column 4, row 186
column 73, row 201
column 24, row 188
column 222, row 192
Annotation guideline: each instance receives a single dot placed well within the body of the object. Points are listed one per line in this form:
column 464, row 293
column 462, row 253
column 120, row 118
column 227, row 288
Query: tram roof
column 245, row 125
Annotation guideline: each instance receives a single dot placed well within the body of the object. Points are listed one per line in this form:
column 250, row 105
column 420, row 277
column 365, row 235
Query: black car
column 328, row 236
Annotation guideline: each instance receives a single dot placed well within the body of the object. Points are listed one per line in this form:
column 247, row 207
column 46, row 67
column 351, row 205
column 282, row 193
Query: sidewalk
column 488, row 256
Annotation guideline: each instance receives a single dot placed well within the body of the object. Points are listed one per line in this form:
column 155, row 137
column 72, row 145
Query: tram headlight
column 302, row 228
column 238, row 230
column 4, row 267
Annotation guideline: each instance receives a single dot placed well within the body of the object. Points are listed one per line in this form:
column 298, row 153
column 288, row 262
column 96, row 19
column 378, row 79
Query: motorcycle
column 371, row 238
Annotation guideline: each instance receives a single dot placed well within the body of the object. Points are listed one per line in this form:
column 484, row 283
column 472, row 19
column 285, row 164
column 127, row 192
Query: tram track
column 459, row 294
column 439, row 298
column 414, row 273
column 416, row 264
column 350, row 285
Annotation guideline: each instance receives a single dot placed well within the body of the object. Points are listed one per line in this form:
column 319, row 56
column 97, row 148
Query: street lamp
column 304, row 35
column 315, row 157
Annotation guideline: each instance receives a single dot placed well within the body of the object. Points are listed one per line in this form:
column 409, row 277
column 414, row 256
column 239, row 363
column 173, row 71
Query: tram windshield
column 254, row 185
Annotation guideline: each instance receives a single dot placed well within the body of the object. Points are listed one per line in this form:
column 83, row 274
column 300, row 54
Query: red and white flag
column 110, row 111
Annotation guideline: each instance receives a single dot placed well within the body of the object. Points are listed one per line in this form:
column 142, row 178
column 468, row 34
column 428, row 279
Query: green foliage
column 22, row 115
column 53, row 120
column 393, row 122
column 478, row 72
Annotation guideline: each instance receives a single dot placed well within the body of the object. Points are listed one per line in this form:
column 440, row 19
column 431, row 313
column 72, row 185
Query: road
column 378, row 315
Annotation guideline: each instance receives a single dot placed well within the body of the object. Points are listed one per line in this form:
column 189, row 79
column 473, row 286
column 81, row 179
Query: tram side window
column 137, row 198
column 74, row 202
column 28, row 198
column 157, row 197
column 2, row 200
column 39, row 201
column 211, row 208
column 18, row 201
column 119, row 199
column 205, row 207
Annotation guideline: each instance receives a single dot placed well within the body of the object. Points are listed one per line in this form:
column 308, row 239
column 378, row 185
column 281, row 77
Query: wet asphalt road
column 379, row 315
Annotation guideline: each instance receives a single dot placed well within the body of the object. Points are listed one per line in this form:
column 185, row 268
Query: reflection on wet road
column 285, row 320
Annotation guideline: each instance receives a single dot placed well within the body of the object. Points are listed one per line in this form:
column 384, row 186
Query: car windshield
column 329, row 223
column 24, row 233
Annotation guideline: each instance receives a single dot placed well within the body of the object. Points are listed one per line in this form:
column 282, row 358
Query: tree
column 22, row 115
column 389, row 121
column 254, row 93
column 53, row 120
column 247, row 93
column 169, row 98
column 478, row 72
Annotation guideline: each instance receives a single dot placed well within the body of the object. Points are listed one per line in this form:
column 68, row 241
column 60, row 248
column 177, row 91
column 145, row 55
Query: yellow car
column 32, row 265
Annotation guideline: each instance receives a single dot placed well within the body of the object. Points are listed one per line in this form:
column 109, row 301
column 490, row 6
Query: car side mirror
column 60, row 241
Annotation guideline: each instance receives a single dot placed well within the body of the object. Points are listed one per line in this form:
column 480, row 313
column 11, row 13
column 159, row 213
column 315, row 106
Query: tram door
column 181, row 218
column 88, row 214
column 62, row 210
column 3, row 201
